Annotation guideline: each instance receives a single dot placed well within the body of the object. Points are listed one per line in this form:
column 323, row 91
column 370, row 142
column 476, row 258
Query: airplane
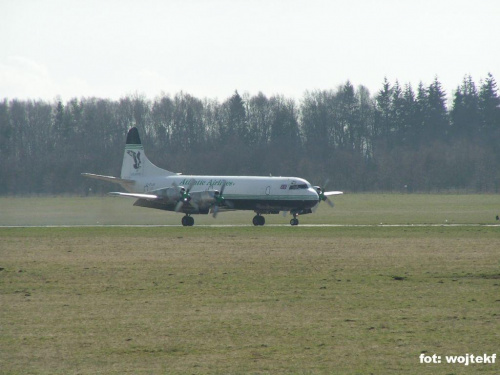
column 158, row 188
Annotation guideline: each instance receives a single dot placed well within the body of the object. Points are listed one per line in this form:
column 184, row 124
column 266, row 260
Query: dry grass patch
column 246, row 300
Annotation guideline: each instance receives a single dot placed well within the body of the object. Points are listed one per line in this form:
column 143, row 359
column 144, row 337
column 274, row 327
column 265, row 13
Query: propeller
column 219, row 199
column 323, row 195
column 184, row 196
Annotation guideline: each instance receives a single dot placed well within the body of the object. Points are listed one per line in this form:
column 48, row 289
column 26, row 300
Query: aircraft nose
column 313, row 192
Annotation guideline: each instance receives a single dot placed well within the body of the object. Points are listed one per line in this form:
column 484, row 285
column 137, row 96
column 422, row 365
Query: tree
column 6, row 143
column 366, row 118
column 464, row 115
column 489, row 113
column 436, row 124
column 162, row 119
column 285, row 143
column 397, row 114
column 348, row 129
column 235, row 121
column 317, row 123
column 409, row 117
column 383, row 124
column 259, row 119
column 489, row 107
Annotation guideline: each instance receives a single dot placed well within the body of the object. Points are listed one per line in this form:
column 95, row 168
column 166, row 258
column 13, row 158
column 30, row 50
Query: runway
column 250, row 225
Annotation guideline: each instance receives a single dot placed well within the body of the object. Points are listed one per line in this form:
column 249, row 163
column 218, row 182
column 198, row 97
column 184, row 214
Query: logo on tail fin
column 137, row 158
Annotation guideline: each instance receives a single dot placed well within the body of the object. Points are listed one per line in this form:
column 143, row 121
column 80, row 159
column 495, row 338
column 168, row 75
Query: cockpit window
column 298, row 186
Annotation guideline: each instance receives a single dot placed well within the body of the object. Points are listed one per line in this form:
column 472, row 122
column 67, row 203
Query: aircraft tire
column 294, row 221
column 187, row 221
column 258, row 220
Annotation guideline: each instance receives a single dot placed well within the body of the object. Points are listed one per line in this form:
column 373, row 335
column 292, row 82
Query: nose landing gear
column 294, row 221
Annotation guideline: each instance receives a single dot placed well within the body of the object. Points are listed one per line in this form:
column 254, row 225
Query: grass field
column 249, row 300
column 349, row 209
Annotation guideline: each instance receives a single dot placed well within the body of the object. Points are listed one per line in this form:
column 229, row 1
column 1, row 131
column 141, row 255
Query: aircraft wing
column 134, row 195
column 170, row 195
column 173, row 199
column 328, row 193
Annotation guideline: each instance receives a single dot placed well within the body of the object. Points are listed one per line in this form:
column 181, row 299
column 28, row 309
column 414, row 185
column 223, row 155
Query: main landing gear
column 258, row 220
column 187, row 221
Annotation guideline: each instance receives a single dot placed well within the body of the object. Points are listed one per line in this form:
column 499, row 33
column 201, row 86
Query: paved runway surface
column 250, row 225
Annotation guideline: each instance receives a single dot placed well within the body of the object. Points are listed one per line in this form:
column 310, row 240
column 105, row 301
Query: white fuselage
column 246, row 192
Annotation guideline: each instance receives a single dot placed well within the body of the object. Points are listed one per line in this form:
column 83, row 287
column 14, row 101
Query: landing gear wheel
column 255, row 220
column 258, row 220
column 294, row 221
column 187, row 221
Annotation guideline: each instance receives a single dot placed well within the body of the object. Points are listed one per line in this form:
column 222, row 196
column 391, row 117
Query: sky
column 64, row 49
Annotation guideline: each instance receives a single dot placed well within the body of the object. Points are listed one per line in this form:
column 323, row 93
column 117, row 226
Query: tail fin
column 135, row 161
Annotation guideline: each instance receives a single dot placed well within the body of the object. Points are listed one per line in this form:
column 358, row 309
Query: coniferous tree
column 349, row 128
column 383, row 124
column 237, row 117
column 489, row 106
column 366, row 119
column 409, row 116
column 465, row 112
column 6, row 147
column 436, row 126
column 397, row 114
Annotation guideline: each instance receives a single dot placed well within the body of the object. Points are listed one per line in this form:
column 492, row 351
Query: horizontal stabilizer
column 134, row 195
column 116, row 180
column 328, row 193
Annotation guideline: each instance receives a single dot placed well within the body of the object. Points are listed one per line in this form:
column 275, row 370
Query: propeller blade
column 325, row 184
column 191, row 184
column 194, row 204
column 219, row 199
column 178, row 206
column 330, row 203
column 223, row 187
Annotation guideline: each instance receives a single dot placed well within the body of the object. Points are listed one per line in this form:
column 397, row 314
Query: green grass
column 350, row 209
column 258, row 300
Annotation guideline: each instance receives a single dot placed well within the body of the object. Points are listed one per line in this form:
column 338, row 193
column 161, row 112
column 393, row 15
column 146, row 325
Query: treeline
column 400, row 139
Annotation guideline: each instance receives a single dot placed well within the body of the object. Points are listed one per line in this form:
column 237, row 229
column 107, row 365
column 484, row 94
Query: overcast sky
column 209, row 48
